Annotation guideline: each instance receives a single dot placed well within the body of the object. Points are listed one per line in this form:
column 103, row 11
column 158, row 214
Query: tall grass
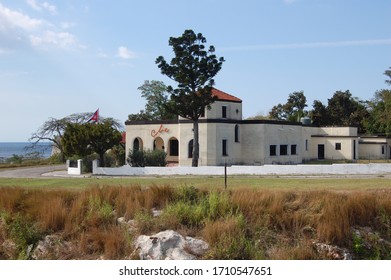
column 239, row 224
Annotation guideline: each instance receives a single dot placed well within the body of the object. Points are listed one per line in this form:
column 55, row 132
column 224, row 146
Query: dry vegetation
column 238, row 224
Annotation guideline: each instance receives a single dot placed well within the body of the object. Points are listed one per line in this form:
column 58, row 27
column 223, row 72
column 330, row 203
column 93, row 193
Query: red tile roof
column 223, row 96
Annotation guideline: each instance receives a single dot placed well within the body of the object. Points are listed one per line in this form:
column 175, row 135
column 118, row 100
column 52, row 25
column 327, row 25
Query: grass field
column 254, row 218
column 267, row 182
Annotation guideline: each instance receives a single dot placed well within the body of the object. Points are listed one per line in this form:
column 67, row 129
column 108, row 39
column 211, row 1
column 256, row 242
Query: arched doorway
column 158, row 144
column 190, row 149
column 138, row 144
column 173, row 150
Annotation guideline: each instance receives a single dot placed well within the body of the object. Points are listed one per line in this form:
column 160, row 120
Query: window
column 283, row 150
column 382, row 150
column 236, row 133
column 273, row 150
column 224, row 112
column 174, row 147
column 293, row 149
column 338, row 146
column 306, row 144
column 190, row 149
column 136, row 145
column 225, row 147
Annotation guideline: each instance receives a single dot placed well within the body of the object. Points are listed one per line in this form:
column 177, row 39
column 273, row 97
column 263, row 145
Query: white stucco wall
column 300, row 169
column 234, row 110
column 148, row 133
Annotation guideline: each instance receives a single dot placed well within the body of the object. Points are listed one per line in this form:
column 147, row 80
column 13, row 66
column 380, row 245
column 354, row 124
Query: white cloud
column 10, row 19
column 17, row 28
column 125, row 53
column 67, row 25
column 42, row 6
column 62, row 40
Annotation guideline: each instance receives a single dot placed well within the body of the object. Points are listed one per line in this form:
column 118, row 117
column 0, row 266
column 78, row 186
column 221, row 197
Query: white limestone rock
column 169, row 245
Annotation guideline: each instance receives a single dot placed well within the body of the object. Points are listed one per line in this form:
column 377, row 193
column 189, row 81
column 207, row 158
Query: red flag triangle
column 95, row 117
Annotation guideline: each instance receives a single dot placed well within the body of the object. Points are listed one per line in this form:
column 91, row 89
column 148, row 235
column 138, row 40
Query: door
column 321, row 151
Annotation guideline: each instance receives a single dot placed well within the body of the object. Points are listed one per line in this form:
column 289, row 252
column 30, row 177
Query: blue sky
column 63, row 57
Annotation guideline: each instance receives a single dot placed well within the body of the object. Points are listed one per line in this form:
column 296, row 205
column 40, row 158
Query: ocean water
column 8, row 149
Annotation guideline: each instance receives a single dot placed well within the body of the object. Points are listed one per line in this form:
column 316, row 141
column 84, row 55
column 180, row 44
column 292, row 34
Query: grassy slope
column 258, row 218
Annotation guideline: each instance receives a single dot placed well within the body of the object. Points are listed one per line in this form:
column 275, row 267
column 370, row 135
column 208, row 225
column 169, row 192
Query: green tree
column 380, row 110
column 319, row 114
column 76, row 140
column 292, row 110
column 84, row 139
column 193, row 68
column 380, row 113
column 156, row 95
column 278, row 112
column 343, row 109
column 53, row 130
column 388, row 74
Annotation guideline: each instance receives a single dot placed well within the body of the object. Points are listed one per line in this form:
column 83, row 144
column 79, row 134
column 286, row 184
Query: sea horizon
column 9, row 149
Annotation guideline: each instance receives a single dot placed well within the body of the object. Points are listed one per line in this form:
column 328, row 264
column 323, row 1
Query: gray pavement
column 34, row 172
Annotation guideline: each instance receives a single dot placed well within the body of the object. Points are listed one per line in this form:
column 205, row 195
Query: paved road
column 30, row 172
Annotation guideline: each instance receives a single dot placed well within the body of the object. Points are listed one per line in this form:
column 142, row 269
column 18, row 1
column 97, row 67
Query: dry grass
column 239, row 224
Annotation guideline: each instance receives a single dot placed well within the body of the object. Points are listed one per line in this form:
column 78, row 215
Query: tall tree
column 380, row 110
column 292, row 110
column 103, row 136
column 193, row 68
column 295, row 105
column 319, row 114
column 380, row 113
column 388, row 74
column 342, row 109
column 156, row 95
column 278, row 112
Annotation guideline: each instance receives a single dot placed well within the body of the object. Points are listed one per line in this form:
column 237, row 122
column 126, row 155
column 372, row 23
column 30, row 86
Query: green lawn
column 209, row 182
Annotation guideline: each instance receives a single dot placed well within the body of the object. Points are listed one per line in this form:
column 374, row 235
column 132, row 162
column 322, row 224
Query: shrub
column 23, row 232
column 156, row 158
column 142, row 158
column 228, row 239
column 15, row 159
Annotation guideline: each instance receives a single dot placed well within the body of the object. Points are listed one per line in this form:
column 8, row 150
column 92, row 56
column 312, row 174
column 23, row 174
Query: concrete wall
column 234, row 110
column 375, row 147
column 75, row 170
column 300, row 169
column 148, row 133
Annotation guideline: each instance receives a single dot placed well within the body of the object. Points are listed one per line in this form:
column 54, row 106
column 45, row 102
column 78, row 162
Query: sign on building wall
column 161, row 130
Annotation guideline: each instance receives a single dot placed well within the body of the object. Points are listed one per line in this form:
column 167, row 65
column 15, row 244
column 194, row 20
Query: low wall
column 300, row 169
column 75, row 170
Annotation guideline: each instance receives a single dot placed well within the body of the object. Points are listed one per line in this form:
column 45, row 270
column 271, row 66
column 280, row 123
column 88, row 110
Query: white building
column 226, row 138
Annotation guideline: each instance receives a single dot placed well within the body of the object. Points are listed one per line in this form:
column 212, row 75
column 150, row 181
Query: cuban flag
column 94, row 117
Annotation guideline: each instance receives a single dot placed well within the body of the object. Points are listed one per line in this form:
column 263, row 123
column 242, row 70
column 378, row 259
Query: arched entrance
column 190, row 149
column 138, row 144
column 158, row 144
column 173, row 150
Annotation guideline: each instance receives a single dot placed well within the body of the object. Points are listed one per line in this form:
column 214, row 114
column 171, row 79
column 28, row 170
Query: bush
column 142, row 158
column 23, row 232
column 115, row 157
